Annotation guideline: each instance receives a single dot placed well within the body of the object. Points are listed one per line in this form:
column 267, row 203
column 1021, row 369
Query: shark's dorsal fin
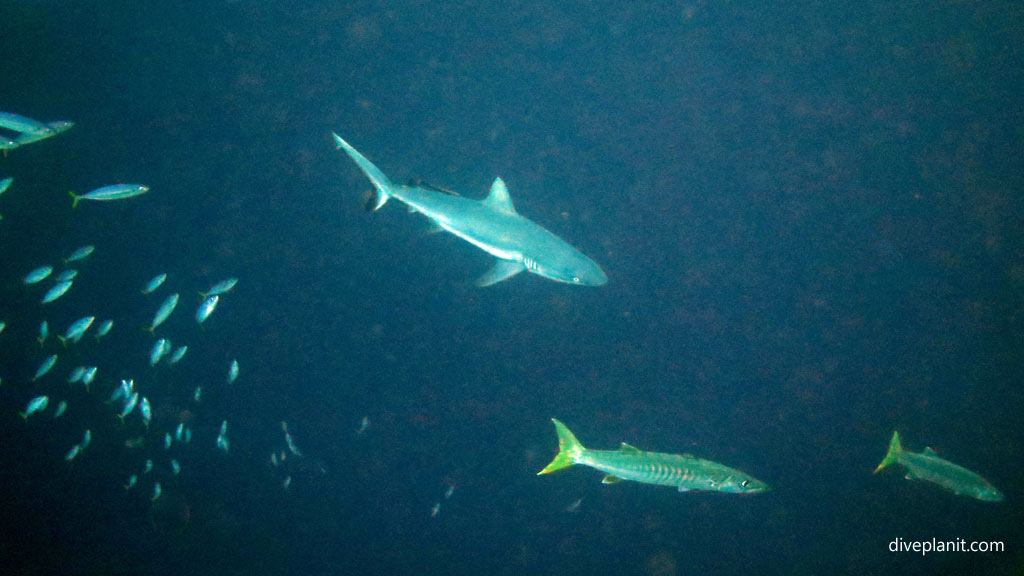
column 609, row 479
column 502, row 270
column 499, row 199
column 688, row 455
column 929, row 451
column 626, row 448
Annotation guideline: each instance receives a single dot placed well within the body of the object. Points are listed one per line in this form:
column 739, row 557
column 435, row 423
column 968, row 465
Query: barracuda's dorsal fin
column 610, row 479
column 930, row 451
column 628, row 449
column 688, row 455
column 499, row 199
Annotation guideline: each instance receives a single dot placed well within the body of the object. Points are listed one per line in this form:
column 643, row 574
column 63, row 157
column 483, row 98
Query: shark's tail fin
column 380, row 182
column 895, row 449
column 569, row 449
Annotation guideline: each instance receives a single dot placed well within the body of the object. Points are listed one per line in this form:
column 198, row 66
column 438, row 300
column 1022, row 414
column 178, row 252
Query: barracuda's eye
column 576, row 279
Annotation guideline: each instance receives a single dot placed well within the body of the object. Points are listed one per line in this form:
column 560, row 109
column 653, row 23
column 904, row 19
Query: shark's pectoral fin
column 502, row 270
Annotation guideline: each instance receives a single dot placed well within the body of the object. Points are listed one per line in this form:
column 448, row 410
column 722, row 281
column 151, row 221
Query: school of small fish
column 160, row 422
column 159, row 438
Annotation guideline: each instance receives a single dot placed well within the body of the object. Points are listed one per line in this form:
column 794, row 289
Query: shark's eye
column 744, row 483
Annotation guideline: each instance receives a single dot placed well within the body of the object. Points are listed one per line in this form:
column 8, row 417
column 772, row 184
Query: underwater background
column 810, row 216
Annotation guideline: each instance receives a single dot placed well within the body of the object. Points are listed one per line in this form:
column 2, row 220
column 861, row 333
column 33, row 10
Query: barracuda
column 928, row 466
column 683, row 471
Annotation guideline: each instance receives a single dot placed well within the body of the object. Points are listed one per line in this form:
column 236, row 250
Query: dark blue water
column 810, row 218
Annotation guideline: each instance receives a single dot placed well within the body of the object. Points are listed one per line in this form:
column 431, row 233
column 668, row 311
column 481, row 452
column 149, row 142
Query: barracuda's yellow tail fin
column 894, row 452
column 569, row 449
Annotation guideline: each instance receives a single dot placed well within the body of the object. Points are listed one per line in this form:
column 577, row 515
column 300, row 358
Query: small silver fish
column 206, row 308
column 76, row 374
column 56, row 292
column 164, row 311
column 75, row 450
column 77, row 329
column 119, row 392
column 157, row 491
column 65, row 275
column 86, row 439
column 38, row 275
column 132, row 481
column 53, row 128
column 45, row 367
column 154, row 283
column 222, row 439
column 80, row 254
column 17, row 123
column 61, row 409
column 44, row 332
column 291, row 444
column 221, row 287
column 287, row 483
column 160, row 348
column 363, row 425
column 112, row 192
column 168, row 441
column 37, row 404
column 233, row 372
column 104, row 329
column 178, row 354
column 89, row 376
column 148, row 467
column 146, row 410
column 5, row 184
column 123, row 391
column 175, row 467
column 129, row 405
